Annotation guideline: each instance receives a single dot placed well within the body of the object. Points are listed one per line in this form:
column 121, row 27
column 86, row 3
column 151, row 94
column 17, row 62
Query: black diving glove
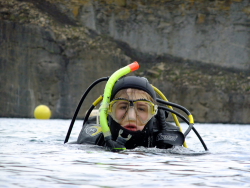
column 119, row 144
column 112, row 145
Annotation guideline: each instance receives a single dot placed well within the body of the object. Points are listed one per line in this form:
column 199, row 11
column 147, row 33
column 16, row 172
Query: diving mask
column 143, row 108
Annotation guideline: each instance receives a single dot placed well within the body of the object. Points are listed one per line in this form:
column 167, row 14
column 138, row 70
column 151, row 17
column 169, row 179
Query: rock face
column 37, row 68
column 195, row 53
column 211, row 105
column 214, row 32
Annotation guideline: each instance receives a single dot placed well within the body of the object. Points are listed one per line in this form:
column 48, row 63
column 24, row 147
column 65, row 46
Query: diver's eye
column 122, row 106
column 142, row 108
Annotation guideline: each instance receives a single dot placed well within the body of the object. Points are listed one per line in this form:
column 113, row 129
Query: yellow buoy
column 42, row 112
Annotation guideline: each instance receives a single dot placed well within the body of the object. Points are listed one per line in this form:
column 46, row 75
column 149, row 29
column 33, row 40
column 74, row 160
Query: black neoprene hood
column 134, row 82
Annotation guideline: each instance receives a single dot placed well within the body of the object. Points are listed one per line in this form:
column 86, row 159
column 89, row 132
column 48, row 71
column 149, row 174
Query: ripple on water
column 33, row 155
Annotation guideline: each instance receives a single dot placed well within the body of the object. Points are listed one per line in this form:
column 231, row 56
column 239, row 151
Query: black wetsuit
column 162, row 137
column 91, row 133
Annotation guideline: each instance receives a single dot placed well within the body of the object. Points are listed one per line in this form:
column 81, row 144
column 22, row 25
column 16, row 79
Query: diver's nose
column 131, row 113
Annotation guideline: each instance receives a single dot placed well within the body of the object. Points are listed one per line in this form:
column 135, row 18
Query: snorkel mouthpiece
column 113, row 145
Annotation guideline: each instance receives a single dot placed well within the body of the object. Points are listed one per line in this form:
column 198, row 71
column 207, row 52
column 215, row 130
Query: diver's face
column 131, row 121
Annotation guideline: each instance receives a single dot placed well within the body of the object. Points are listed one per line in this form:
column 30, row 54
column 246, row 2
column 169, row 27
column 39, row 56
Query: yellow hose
column 98, row 100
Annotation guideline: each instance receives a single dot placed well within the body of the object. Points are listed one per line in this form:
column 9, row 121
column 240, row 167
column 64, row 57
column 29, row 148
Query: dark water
column 32, row 154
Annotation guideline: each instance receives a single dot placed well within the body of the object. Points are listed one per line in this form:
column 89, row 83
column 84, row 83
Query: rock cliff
column 196, row 52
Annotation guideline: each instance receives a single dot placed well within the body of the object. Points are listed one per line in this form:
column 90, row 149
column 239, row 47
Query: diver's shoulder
column 89, row 134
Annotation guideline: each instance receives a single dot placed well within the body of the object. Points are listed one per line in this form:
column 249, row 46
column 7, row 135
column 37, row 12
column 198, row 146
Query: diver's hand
column 113, row 145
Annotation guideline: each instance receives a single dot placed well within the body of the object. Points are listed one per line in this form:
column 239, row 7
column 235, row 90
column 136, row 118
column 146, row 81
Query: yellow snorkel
column 106, row 99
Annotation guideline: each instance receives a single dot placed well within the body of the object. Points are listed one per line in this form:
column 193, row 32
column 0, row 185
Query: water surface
column 32, row 154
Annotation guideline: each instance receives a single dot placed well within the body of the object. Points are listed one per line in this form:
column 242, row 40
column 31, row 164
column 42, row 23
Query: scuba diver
column 134, row 118
column 131, row 115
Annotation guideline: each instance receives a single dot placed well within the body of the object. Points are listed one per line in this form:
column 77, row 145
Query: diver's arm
column 90, row 134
